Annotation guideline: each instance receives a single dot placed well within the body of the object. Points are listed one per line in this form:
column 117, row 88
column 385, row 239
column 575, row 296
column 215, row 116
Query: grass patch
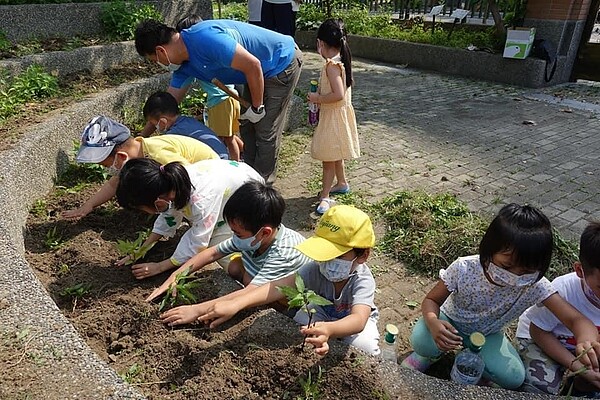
column 293, row 145
column 428, row 232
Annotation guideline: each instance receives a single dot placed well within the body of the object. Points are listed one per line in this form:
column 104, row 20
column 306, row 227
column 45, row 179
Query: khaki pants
column 263, row 139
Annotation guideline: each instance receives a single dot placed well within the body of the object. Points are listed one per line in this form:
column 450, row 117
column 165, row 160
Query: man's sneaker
column 417, row 362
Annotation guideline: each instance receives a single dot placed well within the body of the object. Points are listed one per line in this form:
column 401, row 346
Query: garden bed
column 255, row 356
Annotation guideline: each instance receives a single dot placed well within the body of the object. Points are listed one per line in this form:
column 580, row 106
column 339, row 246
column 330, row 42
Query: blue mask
column 246, row 244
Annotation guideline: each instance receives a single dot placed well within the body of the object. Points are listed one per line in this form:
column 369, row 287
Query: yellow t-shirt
column 168, row 148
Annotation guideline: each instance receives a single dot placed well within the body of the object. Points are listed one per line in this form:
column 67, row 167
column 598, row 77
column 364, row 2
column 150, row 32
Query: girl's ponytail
column 142, row 181
column 333, row 33
column 346, row 56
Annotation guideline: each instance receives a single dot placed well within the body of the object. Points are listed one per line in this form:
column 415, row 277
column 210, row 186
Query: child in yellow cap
column 340, row 247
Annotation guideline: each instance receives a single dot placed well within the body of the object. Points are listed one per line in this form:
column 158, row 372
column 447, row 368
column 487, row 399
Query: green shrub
column 120, row 18
column 32, row 84
column 235, row 11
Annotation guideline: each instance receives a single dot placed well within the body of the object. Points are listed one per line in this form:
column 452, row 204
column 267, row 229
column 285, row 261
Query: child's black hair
column 187, row 22
column 149, row 34
column 333, row 33
column 589, row 247
column 254, row 205
column 523, row 230
column 142, row 181
column 160, row 103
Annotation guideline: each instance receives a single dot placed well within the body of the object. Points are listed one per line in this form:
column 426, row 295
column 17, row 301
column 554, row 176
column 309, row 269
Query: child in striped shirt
column 254, row 213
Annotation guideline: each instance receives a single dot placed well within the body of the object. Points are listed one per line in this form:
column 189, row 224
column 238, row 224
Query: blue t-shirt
column 211, row 45
column 191, row 127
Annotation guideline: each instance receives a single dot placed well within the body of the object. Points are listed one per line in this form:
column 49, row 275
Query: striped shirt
column 279, row 260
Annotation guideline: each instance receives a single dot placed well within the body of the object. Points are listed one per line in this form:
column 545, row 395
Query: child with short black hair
column 340, row 248
column 197, row 193
column 546, row 345
column 485, row 292
column 161, row 110
column 254, row 214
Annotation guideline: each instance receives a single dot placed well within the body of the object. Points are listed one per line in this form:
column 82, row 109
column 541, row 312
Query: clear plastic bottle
column 468, row 364
column 313, row 108
column 388, row 350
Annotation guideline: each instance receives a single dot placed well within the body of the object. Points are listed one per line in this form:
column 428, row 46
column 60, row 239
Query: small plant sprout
column 180, row 292
column 310, row 387
column 132, row 374
column 570, row 374
column 303, row 298
column 76, row 292
column 134, row 249
column 53, row 239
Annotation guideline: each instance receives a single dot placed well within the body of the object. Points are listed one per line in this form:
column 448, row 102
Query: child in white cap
column 340, row 247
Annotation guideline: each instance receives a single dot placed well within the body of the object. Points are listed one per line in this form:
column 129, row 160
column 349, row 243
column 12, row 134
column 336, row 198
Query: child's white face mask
column 506, row 278
column 246, row 244
column 590, row 294
column 113, row 169
column 336, row 270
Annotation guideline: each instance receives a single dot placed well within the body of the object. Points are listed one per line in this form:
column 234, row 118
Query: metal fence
column 404, row 9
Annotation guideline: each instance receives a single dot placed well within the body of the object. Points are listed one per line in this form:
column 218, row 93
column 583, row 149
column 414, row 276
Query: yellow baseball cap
column 339, row 230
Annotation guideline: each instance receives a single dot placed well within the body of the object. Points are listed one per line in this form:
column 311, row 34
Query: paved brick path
column 426, row 131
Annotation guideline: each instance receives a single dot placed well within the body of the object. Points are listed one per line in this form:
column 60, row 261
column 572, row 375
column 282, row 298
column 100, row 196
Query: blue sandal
column 343, row 190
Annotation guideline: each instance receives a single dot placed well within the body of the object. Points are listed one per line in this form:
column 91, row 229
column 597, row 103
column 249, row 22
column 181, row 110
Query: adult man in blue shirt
column 268, row 63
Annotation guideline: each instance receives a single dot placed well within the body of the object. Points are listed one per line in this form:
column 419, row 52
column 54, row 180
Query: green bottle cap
column 391, row 331
column 477, row 340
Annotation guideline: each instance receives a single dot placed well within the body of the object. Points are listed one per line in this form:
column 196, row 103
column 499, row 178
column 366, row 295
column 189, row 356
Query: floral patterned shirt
column 477, row 305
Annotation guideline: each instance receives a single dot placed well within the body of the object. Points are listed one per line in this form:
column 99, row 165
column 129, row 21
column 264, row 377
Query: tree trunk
column 499, row 24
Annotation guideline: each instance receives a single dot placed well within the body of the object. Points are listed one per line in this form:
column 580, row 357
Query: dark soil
column 72, row 88
column 246, row 358
column 49, row 44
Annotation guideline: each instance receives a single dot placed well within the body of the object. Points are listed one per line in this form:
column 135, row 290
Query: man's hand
column 317, row 335
column 254, row 114
column 77, row 213
column 444, row 334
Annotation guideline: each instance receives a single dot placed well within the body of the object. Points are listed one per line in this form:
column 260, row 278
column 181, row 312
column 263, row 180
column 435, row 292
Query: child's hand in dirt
column 593, row 378
column 146, row 270
column 180, row 315
column 163, row 288
column 317, row 335
column 445, row 335
column 123, row 261
column 77, row 213
column 219, row 312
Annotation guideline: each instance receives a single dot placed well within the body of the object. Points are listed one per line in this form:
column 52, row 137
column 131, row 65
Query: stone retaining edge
column 448, row 60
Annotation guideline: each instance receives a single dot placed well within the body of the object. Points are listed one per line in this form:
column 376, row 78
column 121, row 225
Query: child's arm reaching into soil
column 106, row 192
column 194, row 264
column 319, row 334
column 444, row 334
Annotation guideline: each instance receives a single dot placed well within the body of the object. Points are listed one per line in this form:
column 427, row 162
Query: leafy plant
column 53, row 239
column 4, row 42
column 310, row 386
column 180, row 292
column 39, row 208
column 132, row 374
column 76, row 292
column 134, row 249
column 300, row 296
column 194, row 102
column 31, row 84
column 120, row 18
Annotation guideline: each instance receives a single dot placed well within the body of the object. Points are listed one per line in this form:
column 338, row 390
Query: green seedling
column 134, row 249
column 53, row 239
column 76, row 292
column 310, row 387
column 39, row 208
column 302, row 297
column 132, row 374
column 180, row 292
